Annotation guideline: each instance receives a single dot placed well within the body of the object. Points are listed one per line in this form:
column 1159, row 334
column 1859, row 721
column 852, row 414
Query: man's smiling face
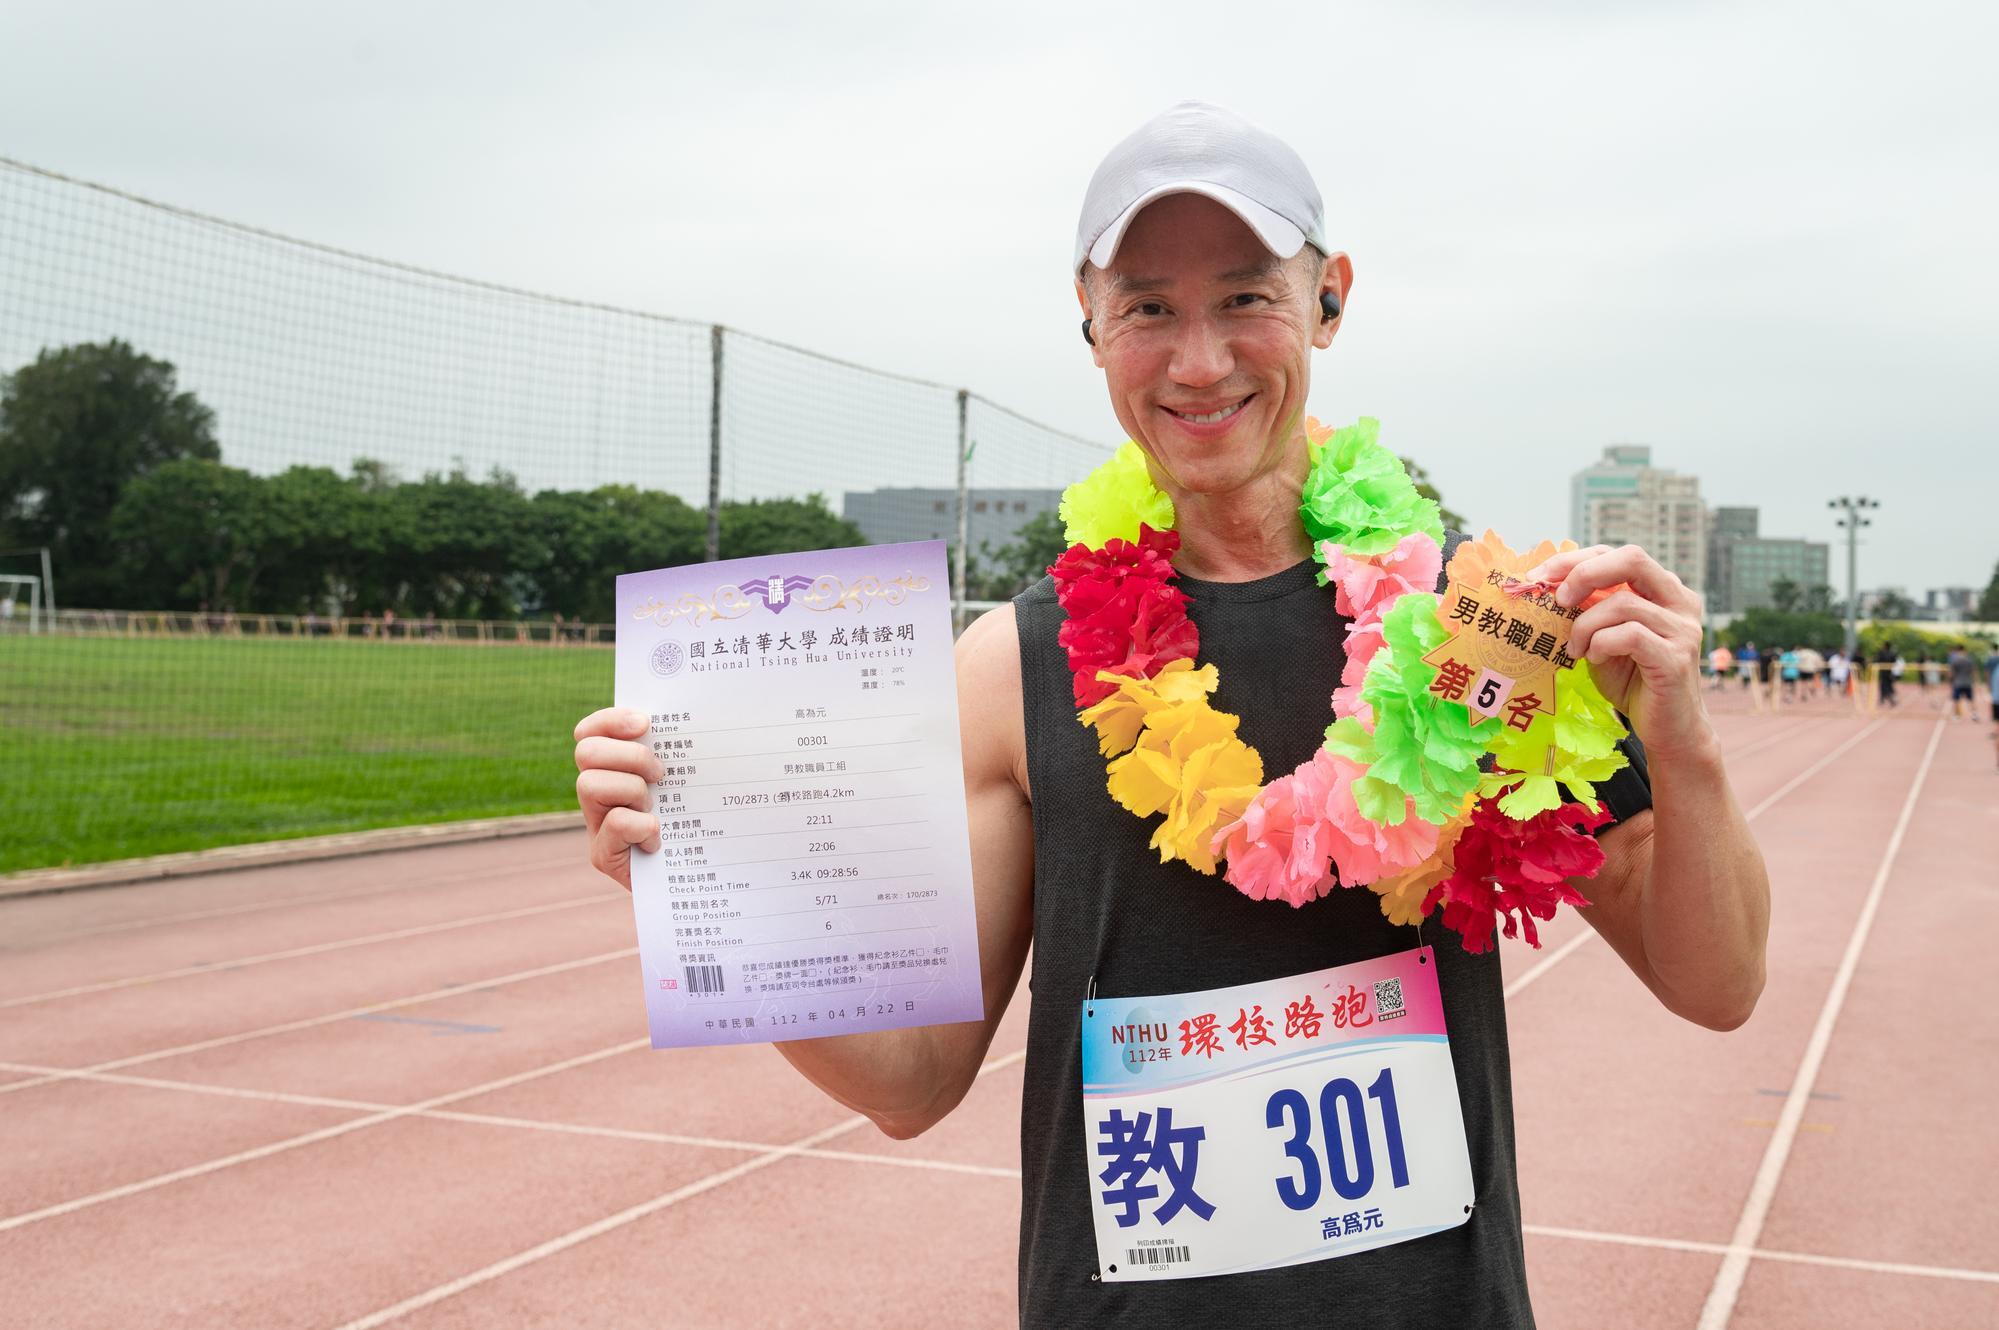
column 1205, row 339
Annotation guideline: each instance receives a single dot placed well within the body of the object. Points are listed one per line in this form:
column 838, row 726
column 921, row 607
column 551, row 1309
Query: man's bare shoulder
column 990, row 720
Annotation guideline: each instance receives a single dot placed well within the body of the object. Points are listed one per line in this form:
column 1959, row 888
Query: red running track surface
column 413, row 1089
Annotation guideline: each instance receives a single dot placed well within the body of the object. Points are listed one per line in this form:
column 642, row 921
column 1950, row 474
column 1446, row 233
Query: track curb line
column 259, row 854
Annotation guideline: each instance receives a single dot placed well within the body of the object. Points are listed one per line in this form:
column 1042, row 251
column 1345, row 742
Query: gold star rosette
column 1508, row 636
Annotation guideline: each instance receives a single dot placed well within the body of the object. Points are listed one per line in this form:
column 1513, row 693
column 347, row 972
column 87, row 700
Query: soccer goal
column 21, row 604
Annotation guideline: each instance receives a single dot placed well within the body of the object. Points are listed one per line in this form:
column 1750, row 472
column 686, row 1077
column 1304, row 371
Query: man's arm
column 1683, row 896
column 905, row 1080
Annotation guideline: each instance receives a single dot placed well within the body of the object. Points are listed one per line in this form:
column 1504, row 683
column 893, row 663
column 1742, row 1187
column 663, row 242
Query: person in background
column 1962, row 670
column 1886, row 666
column 1811, row 671
column 1837, row 669
column 1787, row 665
column 1928, row 672
column 1721, row 662
column 1745, row 665
column 1992, row 693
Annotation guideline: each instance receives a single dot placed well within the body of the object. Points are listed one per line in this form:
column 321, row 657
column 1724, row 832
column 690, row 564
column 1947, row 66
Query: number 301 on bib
column 1271, row 1124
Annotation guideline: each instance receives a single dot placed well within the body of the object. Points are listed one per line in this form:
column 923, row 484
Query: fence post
column 964, row 522
column 715, row 446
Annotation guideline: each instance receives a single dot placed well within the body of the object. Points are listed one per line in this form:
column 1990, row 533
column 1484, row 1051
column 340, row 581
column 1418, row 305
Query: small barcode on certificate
column 1388, row 997
column 703, row 978
column 1156, row 1255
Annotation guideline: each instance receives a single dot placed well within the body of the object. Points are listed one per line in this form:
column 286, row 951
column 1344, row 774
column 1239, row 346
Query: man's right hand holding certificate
column 780, row 801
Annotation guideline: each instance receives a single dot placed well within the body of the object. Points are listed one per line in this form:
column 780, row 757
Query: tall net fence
column 295, row 540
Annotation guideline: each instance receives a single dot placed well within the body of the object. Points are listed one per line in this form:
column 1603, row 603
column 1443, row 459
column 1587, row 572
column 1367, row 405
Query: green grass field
column 115, row 747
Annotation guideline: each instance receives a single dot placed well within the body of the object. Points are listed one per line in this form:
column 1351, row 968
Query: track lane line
column 948, row 1165
column 1758, row 745
column 315, row 949
column 627, row 1216
column 1814, row 769
column 1548, row 962
column 308, row 1138
column 1563, row 952
column 307, row 1023
column 1727, row 1286
column 251, row 907
column 1766, row 1254
column 503, row 1120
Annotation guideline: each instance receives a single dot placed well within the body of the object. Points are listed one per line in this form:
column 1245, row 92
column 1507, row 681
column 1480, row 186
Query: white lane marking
column 1550, row 961
column 942, row 1165
column 627, row 1216
column 250, row 907
column 308, row 1138
column 1758, row 745
column 526, row 1124
column 1877, row 1267
column 1727, row 1286
column 1813, row 770
column 1563, row 952
column 316, row 949
column 1768, row 1254
column 308, row 1022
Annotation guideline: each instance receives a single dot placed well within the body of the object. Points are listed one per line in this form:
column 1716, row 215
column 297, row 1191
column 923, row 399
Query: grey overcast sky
column 1757, row 237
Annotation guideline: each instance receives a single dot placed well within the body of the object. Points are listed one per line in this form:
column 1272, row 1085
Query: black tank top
column 1104, row 905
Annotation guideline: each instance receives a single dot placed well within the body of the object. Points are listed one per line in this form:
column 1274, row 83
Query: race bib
column 1271, row 1124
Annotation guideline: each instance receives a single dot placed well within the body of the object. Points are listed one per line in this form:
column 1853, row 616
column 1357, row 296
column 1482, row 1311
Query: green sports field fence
column 325, row 541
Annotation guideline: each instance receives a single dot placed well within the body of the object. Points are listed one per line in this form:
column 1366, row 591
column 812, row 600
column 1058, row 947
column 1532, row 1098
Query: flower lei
column 1395, row 799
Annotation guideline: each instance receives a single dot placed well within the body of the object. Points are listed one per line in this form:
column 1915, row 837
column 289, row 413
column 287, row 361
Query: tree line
column 119, row 473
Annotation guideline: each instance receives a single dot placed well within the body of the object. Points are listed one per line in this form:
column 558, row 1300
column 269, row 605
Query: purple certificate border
column 678, row 1018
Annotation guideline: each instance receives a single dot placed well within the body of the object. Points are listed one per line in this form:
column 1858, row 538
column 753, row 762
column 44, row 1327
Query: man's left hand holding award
column 807, row 868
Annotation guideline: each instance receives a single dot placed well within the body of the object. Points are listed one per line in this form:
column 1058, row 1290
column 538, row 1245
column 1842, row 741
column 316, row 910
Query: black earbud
column 1086, row 333
column 1329, row 305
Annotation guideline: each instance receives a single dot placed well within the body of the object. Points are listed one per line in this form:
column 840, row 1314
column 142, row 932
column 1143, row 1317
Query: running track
column 413, row 1090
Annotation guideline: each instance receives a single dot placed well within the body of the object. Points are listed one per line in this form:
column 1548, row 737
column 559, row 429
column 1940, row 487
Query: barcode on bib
column 703, row 978
column 1156, row 1255
column 1387, row 998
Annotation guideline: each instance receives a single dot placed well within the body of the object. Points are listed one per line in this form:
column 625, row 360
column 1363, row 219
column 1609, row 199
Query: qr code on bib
column 1387, row 999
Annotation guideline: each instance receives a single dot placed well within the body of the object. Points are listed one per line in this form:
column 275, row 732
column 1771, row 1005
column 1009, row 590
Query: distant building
column 1623, row 499
column 1742, row 566
column 1950, row 602
column 1756, row 565
column 1871, row 601
column 887, row 516
column 1615, row 477
column 1725, row 526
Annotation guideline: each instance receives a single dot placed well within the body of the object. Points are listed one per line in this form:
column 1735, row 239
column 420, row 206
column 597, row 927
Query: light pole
column 1854, row 508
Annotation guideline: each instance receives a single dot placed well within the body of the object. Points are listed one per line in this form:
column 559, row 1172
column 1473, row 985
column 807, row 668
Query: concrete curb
column 120, row 872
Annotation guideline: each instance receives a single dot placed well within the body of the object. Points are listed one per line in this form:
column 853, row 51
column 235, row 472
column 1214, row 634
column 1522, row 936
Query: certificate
column 814, row 872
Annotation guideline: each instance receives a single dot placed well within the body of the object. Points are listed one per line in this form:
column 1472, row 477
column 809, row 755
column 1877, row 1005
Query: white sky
column 1756, row 237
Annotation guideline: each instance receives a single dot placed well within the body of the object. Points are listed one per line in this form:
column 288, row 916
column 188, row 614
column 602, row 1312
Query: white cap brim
column 1278, row 236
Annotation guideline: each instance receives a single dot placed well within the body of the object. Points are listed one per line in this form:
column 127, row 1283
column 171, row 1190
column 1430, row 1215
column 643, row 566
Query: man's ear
column 1336, row 278
column 1083, row 301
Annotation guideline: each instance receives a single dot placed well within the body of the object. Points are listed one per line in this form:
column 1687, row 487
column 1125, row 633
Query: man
column 1992, row 694
column 1962, row 671
column 1887, row 668
column 1203, row 277
column 1810, row 667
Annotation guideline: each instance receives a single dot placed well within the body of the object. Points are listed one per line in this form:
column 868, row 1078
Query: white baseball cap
column 1196, row 148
